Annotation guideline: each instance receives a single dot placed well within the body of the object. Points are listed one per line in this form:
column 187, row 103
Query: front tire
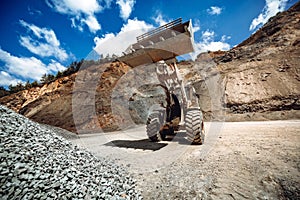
column 154, row 122
column 194, row 126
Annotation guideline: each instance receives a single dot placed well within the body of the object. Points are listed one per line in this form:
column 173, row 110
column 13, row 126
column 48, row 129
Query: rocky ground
column 250, row 160
column 37, row 163
column 239, row 160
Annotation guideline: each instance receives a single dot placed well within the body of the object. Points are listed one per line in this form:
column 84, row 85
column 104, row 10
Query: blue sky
column 44, row 36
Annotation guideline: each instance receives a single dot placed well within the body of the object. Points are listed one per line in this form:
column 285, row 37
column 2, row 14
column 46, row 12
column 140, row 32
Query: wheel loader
column 182, row 111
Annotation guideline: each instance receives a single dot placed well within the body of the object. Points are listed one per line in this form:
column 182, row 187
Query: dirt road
column 239, row 160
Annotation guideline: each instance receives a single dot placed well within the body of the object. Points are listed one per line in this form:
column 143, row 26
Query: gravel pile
column 35, row 163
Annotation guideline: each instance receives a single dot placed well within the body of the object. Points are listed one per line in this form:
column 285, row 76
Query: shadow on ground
column 180, row 138
column 143, row 144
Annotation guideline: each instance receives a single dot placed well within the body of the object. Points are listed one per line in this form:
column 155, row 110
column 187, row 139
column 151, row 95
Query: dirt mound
column 261, row 75
column 52, row 103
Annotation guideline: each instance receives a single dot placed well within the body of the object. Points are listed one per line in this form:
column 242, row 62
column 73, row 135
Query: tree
column 3, row 92
column 78, row 65
column 34, row 84
column 50, row 78
column 47, row 78
column 43, row 78
column 27, row 85
column 16, row 88
column 20, row 87
column 59, row 74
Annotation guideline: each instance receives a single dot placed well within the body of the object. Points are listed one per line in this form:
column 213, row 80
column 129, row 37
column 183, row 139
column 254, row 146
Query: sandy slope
column 239, row 160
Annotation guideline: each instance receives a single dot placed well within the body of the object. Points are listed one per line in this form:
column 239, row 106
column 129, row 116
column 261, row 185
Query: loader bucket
column 164, row 43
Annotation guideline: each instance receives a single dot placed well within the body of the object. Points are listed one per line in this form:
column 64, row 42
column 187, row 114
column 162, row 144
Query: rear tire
column 194, row 126
column 154, row 122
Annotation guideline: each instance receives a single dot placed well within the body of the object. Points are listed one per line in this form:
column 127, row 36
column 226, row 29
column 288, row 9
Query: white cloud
column 126, row 7
column 92, row 23
column 55, row 66
column 208, row 43
column 26, row 67
column 49, row 46
column 108, row 3
column 159, row 19
column 22, row 66
column 75, row 7
column 112, row 43
column 196, row 26
column 6, row 79
column 271, row 8
column 214, row 10
column 82, row 12
column 32, row 11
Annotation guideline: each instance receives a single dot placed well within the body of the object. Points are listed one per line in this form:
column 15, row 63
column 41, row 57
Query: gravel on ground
column 37, row 163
